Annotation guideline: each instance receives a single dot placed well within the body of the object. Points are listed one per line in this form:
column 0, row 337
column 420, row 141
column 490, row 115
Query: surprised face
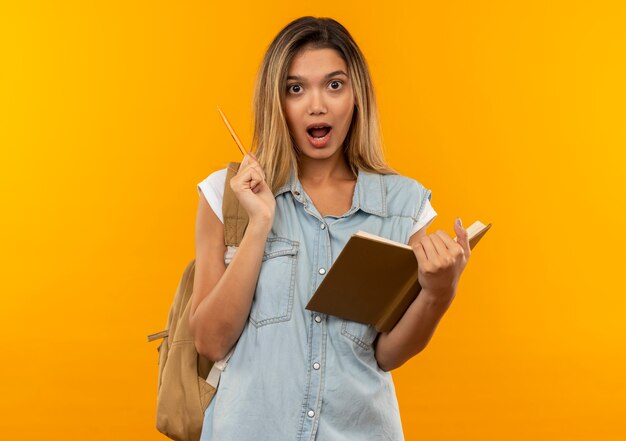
column 319, row 102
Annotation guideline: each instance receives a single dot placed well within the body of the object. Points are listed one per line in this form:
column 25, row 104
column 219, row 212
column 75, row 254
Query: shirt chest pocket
column 361, row 334
column 273, row 299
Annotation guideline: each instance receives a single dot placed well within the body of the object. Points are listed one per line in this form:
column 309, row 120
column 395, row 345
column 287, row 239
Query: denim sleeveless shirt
column 300, row 375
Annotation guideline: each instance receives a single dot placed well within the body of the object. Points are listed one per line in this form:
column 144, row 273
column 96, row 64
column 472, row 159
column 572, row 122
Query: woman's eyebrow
column 332, row 74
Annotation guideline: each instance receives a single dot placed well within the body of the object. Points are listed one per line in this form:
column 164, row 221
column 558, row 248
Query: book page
column 371, row 236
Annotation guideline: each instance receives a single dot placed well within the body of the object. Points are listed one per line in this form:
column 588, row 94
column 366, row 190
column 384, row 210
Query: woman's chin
column 325, row 153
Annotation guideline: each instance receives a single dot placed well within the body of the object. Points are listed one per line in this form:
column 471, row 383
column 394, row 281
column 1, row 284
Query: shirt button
column 316, row 365
column 318, row 318
column 311, row 413
column 322, row 226
column 322, row 271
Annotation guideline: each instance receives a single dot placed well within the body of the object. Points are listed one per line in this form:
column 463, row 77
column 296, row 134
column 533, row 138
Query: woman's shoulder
column 215, row 179
column 399, row 185
column 405, row 194
column 398, row 179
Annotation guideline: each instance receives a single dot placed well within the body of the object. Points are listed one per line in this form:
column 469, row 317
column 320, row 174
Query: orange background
column 510, row 112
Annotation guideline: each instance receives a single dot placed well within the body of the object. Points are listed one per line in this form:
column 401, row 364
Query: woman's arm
column 222, row 296
column 441, row 261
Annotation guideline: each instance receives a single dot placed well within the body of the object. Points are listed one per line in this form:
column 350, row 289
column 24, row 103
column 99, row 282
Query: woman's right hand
column 253, row 193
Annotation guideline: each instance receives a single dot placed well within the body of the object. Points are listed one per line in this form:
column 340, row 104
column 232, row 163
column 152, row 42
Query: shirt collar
column 370, row 194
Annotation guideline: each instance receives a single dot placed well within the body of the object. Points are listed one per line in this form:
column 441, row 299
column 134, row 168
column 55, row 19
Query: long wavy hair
column 274, row 146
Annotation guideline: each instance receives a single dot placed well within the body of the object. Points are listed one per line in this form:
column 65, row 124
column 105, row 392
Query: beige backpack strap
column 235, row 217
column 218, row 367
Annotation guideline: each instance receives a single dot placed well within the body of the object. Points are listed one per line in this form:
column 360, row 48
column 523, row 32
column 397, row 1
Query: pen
column 232, row 132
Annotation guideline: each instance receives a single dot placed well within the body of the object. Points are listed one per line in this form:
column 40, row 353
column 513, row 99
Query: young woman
column 318, row 176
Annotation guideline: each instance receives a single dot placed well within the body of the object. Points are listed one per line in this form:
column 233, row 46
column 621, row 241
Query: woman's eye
column 294, row 88
column 336, row 85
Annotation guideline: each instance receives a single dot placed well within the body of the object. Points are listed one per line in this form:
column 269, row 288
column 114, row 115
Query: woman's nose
column 316, row 103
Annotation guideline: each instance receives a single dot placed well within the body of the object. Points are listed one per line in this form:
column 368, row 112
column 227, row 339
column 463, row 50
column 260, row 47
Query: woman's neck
column 319, row 171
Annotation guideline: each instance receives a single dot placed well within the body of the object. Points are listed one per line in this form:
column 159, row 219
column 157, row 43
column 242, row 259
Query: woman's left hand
column 441, row 261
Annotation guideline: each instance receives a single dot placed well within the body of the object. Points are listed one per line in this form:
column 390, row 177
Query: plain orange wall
column 510, row 112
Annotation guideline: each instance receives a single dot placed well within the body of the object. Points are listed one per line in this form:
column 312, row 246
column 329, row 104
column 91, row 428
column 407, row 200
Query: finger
column 429, row 249
column 448, row 255
column 247, row 159
column 422, row 259
column 260, row 170
column 255, row 166
column 439, row 243
column 251, row 168
column 257, row 181
column 248, row 178
column 462, row 238
column 261, row 187
column 452, row 246
column 246, row 162
column 445, row 238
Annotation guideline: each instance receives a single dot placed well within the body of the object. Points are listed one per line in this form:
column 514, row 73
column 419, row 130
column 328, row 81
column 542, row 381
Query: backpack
column 187, row 381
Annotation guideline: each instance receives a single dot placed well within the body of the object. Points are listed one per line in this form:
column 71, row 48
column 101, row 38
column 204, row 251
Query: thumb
column 462, row 237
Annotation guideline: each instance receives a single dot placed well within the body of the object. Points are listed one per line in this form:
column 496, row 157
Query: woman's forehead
column 311, row 63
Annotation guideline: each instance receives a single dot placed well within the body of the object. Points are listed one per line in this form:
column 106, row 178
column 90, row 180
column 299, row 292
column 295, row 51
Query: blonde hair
column 273, row 144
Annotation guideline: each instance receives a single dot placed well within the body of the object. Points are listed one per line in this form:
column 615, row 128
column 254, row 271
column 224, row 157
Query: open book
column 374, row 280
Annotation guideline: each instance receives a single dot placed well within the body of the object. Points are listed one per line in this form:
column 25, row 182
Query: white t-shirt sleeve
column 426, row 217
column 213, row 190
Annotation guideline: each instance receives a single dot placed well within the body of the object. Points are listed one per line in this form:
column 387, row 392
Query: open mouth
column 319, row 132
